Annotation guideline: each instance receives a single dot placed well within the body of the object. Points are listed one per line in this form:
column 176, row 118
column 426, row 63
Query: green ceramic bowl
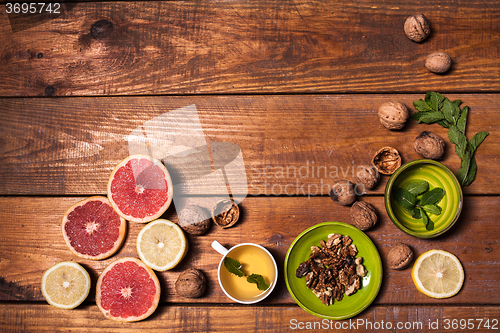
column 437, row 175
column 350, row 305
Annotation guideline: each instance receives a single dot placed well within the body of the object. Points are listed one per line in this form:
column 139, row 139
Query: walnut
column 429, row 145
column 399, row 256
column 303, row 269
column 363, row 215
column 387, row 160
column 191, row 283
column 225, row 213
column 367, row 176
column 438, row 62
column 393, row 115
column 417, row 27
column 195, row 220
column 342, row 192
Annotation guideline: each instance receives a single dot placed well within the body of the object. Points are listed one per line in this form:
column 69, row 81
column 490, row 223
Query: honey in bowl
column 253, row 260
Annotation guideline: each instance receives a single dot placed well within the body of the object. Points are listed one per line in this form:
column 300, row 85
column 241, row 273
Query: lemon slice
column 65, row 285
column 161, row 245
column 438, row 274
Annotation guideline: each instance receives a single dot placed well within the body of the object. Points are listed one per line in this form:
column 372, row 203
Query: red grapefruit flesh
column 92, row 229
column 140, row 188
column 127, row 290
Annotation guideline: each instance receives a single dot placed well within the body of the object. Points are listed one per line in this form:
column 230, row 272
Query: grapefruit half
column 140, row 188
column 127, row 290
column 92, row 229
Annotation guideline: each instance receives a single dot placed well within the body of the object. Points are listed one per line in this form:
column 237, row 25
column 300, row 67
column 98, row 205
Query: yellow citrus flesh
column 161, row 245
column 438, row 274
column 66, row 285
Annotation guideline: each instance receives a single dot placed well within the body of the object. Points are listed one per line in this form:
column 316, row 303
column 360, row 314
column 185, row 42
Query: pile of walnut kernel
column 333, row 269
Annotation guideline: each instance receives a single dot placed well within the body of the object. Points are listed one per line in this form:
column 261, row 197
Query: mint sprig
column 435, row 108
column 417, row 200
column 235, row 267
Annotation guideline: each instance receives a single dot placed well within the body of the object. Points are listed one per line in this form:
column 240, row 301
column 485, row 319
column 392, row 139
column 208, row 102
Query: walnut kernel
column 393, row 115
column 387, row 160
column 363, row 215
column 429, row 145
column 191, row 283
column 417, row 27
column 438, row 62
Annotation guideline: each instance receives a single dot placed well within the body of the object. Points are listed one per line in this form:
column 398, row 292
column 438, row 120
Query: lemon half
column 438, row 274
column 161, row 245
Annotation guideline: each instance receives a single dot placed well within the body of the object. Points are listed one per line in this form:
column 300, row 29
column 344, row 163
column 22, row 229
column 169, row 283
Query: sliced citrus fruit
column 92, row 229
column 438, row 274
column 161, row 244
column 127, row 290
column 65, row 285
column 140, row 188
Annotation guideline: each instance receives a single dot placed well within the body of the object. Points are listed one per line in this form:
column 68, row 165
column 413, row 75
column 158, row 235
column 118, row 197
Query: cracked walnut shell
column 387, row 160
column 417, row 27
column 393, row 115
column 225, row 213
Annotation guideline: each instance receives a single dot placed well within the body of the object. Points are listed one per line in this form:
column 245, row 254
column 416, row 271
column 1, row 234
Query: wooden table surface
column 295, row 84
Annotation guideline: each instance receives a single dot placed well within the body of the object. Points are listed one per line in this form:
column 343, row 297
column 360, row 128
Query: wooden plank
column 70, row 145
column 31, row 242
column 88, row 318
column 226, row 47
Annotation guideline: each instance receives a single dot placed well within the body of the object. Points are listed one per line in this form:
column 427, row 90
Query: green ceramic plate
column 349, row 306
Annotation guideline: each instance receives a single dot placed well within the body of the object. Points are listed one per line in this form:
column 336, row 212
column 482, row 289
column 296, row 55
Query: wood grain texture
column 31, row 242
column 290, row 145
column 32, row 318
column 226, row 47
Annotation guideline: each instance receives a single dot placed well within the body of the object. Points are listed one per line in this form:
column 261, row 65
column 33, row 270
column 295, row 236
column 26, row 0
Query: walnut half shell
column 225, row 213
column 387, row 160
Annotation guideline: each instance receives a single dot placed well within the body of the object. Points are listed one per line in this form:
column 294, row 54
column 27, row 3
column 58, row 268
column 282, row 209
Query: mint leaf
column 417, row 187
column 422, row 106
column 477, row 139
column 448, row 111
column 233, row 266
column 429, row 225
column 471, row 174
column 428, row 117
column 416, row 214
column 444, row 123
column 458, row 138
column 433, row 209
column 457, row 103
column 435, row 100
column 463, row 172
column 404, row 198
column 432, row 197
column 462, row 121
column 259, row 280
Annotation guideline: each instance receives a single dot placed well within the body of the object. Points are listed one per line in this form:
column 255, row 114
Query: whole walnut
column 363, row 215
column 399, row 256
column 429, row 145
column 342, row 192
column 393, row 115
column 195, row 220
column 417, row 27
column 438, row 62
column 368, row 176
column 191, row 283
